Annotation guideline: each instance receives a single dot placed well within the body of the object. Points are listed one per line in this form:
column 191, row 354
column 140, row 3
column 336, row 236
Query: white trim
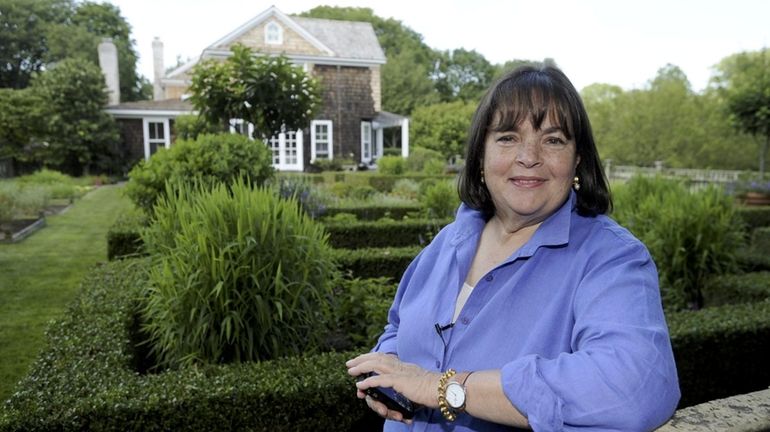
column 138, row 113
column 314, row 141
column 239, row 122
column 366, row 140
column 272, row 11
column 278, row 30
column 378, row 143
column 405, row 137
column 184, row 68
column 146, row 133
column 282, row 150
column 297, row 59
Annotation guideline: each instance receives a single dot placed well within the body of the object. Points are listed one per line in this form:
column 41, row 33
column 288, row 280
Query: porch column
column 405, row 137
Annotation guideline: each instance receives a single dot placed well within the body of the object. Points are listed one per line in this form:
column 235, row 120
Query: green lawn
column 40, row 275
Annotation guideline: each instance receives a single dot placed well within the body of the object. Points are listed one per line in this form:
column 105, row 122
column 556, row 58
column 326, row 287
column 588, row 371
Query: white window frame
column 367, row 146
column 238, row 123
column 273, row 33
column 166, row 140
column 279, row 148
column 314, row 154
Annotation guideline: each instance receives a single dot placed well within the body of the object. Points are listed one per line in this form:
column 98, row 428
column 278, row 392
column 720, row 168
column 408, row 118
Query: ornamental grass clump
column 238, row 274
column 691, row 235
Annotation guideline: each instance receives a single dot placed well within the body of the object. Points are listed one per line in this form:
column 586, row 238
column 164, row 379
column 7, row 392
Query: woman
column 532, row 309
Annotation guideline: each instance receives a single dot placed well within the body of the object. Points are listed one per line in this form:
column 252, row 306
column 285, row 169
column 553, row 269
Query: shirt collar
column 554, row 231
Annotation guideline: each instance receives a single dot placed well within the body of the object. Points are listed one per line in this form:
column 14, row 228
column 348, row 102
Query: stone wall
column 347, row 101
column 745, row 413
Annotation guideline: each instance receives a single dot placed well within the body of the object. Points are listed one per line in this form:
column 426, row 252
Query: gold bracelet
column 442, row 405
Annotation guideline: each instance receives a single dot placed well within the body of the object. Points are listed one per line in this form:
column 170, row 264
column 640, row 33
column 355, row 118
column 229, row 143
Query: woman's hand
column 414, row 382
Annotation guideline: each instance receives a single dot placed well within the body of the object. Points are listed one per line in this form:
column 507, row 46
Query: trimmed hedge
column 754, row 216
column 375, row 212
column 760, row 240
column 376, row 262
column 752, row 261
column 721, row 351
column 736, row 289
column 124, row 236
column 385, row 182
column 382, row 234
column 86, row 379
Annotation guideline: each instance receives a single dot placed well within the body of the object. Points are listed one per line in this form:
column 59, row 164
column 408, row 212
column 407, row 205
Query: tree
column 268, row 92
column 79, row 136
column 20, row 119
column 38, row 33
column 442, row 127
column 105, row 20
column 407, row 77
column 24, row 26
column 463, row 75
column 744, row 81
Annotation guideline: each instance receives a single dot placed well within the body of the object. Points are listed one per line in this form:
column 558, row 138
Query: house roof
column 166, row 107
column 347, row 39
column 338, row 42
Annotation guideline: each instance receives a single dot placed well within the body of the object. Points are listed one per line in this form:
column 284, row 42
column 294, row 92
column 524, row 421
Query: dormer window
column 273, row 33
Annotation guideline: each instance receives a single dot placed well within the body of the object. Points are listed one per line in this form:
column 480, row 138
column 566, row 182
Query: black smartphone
column 391, row 398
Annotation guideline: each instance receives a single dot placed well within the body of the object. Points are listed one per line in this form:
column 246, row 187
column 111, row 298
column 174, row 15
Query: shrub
column 441, row 200
column 754, row 217
column 9, row 192
column 760, row 240
column 308, row 197
column 189, row 127
column 366, row 234
column 406, row 188
column 736, row 289
column 374, row 211
column 376, row 262
column 691, row 235
column 124, row 238
column 420, row 156
column 434, row 167
column 209, row 158
column 86, row 379
column 717, row 351
column 238, row 274
column 361, row 311
column 393, row 165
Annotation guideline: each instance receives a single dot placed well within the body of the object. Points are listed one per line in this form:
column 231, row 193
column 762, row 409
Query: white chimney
column 108, row 61
column 157, row 65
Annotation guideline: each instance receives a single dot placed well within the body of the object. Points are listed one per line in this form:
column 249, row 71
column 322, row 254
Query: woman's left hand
column 415, row 383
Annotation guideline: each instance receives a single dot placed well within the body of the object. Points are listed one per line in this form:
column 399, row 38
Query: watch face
column 455, row 395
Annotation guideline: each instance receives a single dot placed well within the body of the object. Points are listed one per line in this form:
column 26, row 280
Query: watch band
column 448, row 413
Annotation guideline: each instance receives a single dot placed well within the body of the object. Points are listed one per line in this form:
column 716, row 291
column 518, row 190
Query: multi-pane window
column 321, row 139
column 273, row 33
column 156, row 135
column 366, row 141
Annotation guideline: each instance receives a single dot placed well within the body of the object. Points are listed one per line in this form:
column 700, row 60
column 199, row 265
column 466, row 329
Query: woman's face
column 529, row 172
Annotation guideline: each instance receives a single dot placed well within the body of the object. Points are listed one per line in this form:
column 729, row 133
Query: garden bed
column 19, row 229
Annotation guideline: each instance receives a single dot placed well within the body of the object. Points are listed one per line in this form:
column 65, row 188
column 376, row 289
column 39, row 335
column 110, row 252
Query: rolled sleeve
column 620, row 374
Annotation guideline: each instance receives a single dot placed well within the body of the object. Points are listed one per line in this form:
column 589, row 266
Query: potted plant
column 753, row 192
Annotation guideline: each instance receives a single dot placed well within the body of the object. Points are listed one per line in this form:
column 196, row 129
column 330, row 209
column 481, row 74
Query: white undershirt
column 461, row 299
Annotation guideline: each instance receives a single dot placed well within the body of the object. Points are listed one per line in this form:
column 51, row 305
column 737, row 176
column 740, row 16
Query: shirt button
column 438, row 364
column 489, row 278
column 465, row 321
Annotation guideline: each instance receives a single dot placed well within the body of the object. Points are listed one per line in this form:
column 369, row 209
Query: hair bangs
column 530, row 98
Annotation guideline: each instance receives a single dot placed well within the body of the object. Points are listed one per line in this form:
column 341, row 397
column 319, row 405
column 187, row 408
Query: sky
column 621, row 42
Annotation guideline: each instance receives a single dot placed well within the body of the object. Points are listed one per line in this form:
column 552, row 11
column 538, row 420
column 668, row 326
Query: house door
column 286, row 148
column 366, row 142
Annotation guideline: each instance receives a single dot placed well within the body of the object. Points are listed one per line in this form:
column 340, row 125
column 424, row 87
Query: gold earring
column 482, row 176
column 576, row 183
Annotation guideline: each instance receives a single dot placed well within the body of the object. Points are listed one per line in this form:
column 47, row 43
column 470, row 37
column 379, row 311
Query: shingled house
column 344, row 56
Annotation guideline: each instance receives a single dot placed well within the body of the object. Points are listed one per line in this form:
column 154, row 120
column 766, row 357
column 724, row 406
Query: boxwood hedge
column 755, row 217
column 376, row 262
column 374, row 212
column 87, row 379
column 381, row 234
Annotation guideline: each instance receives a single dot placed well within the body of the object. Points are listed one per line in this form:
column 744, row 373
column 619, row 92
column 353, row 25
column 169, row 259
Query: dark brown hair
column 534, row 93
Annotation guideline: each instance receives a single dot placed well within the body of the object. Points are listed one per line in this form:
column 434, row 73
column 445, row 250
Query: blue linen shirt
column 573, row 320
